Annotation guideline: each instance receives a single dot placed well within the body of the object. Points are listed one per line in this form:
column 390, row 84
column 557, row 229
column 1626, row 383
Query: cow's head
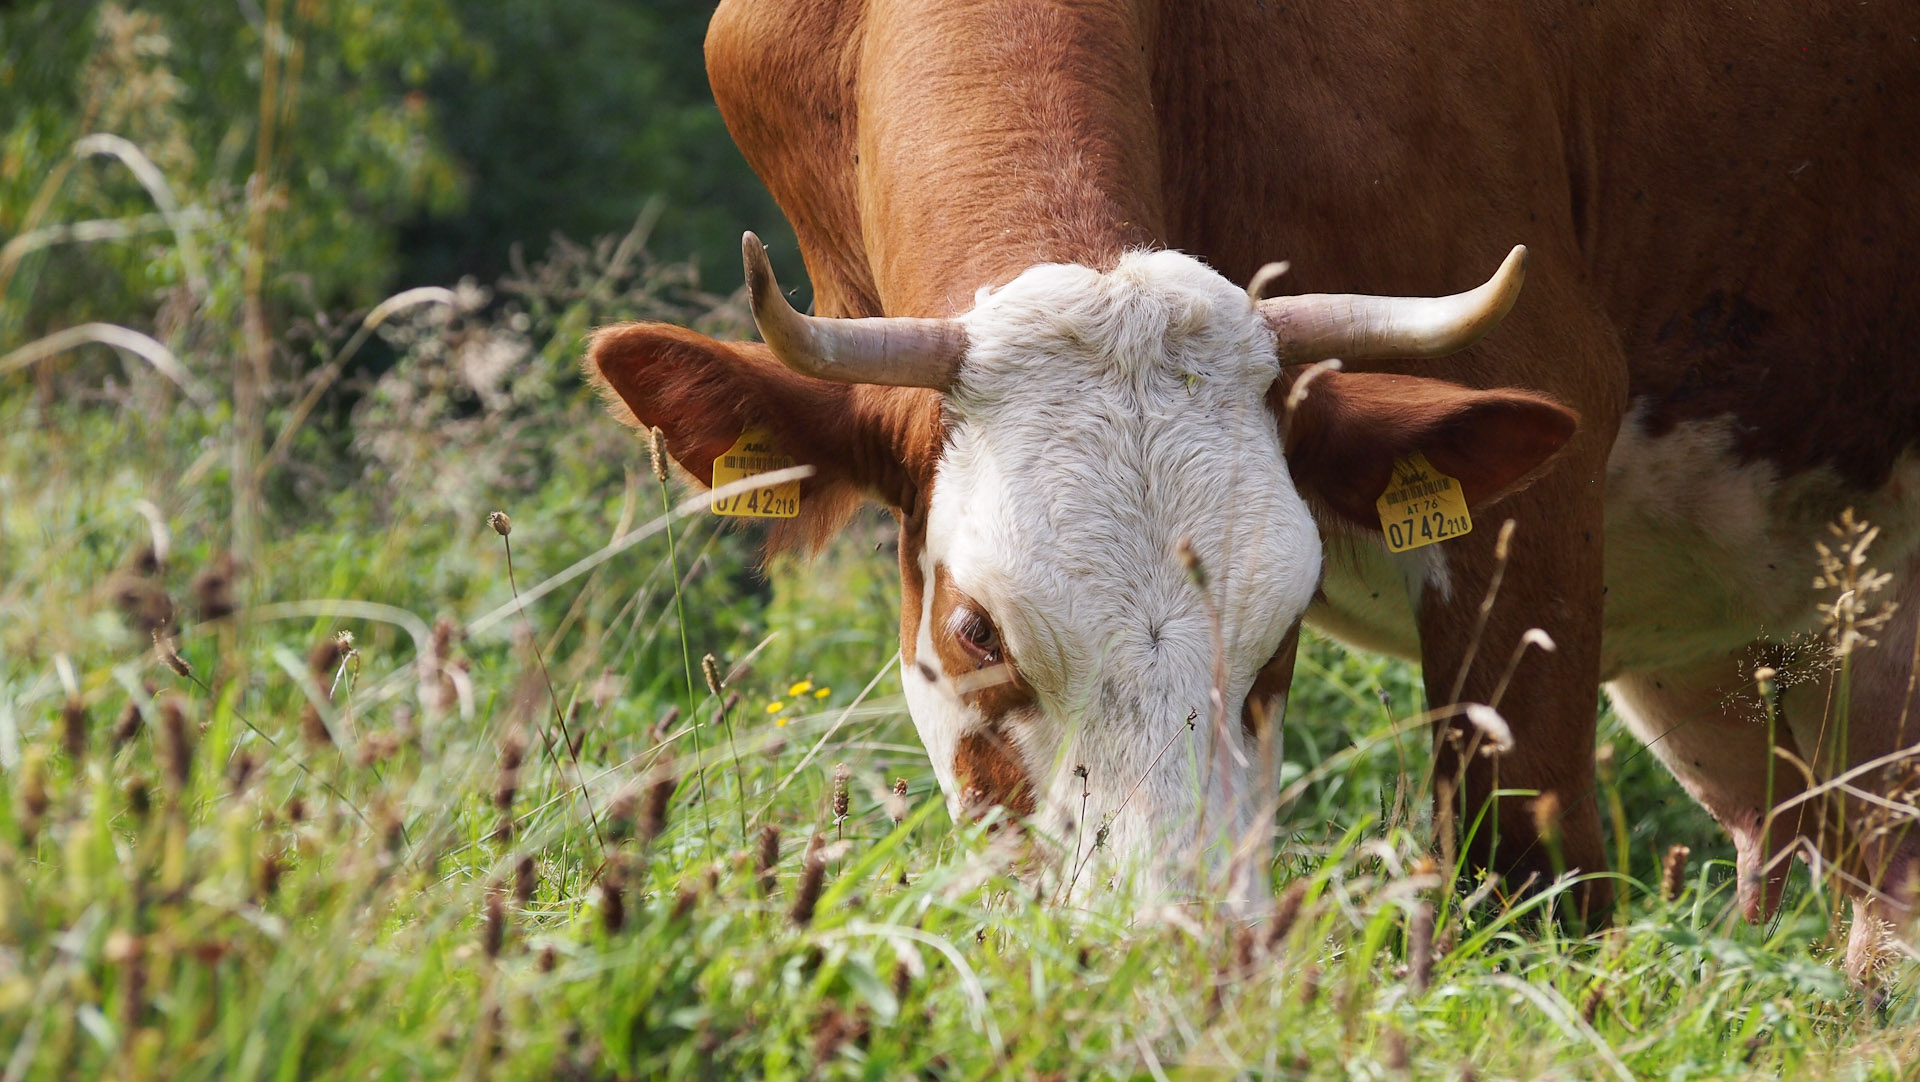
column 1103, row 485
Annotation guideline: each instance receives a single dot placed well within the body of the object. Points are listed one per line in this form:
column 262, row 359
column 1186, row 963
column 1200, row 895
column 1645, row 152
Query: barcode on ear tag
column 754, row 453
column 1421, row 506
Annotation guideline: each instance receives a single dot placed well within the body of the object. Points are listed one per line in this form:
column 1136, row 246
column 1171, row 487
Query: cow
column 1121, row 480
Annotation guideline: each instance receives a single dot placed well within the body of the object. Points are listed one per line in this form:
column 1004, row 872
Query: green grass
column 330, row 915
column 266, row 857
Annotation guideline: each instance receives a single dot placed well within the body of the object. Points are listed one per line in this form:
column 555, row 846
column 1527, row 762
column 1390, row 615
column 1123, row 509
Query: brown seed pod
column 767, row 857
column 501, row 524
column 813, row 876
column 1673, row 872
column 842, row 773
column 213, row 588
column 73, row 727
column 176, row 744
column 525, row 879
column 493, row 922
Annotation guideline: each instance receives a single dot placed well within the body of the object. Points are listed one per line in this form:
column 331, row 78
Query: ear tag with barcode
column 1421, row 506
column 755, row 453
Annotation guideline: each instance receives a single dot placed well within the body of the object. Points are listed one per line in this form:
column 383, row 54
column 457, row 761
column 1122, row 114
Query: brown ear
column 864, row 442
column 1344, row 436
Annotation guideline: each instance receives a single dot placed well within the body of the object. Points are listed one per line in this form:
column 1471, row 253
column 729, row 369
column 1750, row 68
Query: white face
column 1098, row 420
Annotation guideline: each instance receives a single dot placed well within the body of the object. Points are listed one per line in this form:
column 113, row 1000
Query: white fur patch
column 1706, row 554
column 1097, row 421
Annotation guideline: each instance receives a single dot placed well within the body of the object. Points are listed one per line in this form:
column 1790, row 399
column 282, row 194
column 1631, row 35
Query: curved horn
column 896, row 352
column 1315, row 326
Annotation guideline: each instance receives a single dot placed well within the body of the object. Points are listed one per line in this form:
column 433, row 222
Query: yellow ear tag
column 1421, row 506
column 753, row 454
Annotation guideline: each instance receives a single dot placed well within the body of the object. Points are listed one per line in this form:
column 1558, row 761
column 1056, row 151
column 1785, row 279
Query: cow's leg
column 1707, row 722
column 1551, row 580
column 1880, row 847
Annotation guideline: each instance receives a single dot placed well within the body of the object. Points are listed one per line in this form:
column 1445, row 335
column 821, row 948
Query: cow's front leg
column 1547, row 576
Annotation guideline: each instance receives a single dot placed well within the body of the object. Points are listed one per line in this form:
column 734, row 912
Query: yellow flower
column 780, row 722
column 822, row 693
column 775, row 706
column 800, row 688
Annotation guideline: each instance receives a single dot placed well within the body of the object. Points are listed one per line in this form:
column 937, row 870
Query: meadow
column 371, row 708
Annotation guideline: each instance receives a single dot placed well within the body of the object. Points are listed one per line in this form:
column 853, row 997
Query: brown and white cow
column 1721, row 214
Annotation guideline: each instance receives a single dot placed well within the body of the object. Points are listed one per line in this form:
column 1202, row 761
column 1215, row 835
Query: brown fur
column 1717, row 201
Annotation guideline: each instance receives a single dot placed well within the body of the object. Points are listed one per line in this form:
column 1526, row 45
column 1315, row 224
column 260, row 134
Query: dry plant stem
column 726, row 722
column 250, row 366
column 686, row 659
column 1082, row 858
column 533, row 640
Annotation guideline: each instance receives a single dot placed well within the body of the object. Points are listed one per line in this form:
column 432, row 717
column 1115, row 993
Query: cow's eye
column 979, row 636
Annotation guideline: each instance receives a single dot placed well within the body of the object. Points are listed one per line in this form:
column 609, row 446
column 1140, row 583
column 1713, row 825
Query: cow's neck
column 994, row 136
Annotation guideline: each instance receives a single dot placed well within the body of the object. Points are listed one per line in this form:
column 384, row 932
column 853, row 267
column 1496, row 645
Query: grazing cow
column 1118, row 491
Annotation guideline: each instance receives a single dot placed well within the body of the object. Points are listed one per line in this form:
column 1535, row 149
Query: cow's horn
column 1314, row 326
column 897, row 352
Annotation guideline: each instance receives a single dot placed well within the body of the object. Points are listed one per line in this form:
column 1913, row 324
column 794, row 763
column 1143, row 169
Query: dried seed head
column 657, row 453
column 1496, row 735
column 131, row 719
column 128, row 952
column 684, row 902
column 213, row 588
column 841, row 774
column 902, row 981
column 377, row 747
column 501, row 524
column 73, row 726
column 653, row 813
column 513, row 752
column 176, row 745
column 1190, row 560
column 169, row 654
column 1546, row 816
column 1285, row 912
column 1603, row 762
column 1590, row 1008
column 613, row 902
column 1420, row 946
column 662, row 728
column 897, row 806
column 267, row 875
column 711, row 670
column 1673, row 872
column 143, row 603
column 1309, row 984
column 622, row 812
column 767, row 857
column 547, row 959
column 34, row 799
column 813, row 875
column 148, row 558
column 524, row 880
column 493, row 923
column 139, row 796
column 240, row 771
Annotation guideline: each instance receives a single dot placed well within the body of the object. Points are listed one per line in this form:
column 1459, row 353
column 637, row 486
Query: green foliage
column 325, row 96
column 573, row 115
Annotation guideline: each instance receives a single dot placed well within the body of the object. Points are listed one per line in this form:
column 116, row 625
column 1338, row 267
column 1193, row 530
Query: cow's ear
column 1343, row 436
column 863, row 442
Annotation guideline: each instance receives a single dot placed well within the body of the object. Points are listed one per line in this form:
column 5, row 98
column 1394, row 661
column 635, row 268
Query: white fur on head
column 1098, row 420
